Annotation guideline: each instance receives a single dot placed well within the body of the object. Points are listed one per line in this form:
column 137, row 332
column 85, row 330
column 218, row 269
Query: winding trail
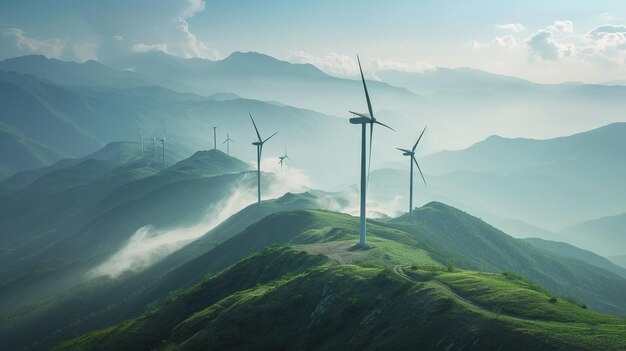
column 479, row 309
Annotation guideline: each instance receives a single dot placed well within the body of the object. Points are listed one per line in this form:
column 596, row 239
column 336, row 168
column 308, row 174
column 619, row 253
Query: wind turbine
column 215, row 137
column 282, row 159
column 163, row 140
column 411, row 153
column 227, row 142
column 363, row 119
column 259, row 150
column 141, row 139
column 154, row 143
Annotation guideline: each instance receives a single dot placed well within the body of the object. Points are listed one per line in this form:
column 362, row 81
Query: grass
column 284, row 298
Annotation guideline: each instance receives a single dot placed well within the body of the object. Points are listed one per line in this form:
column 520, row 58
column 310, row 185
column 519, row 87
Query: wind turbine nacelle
column 360, row 120
column 257, row 143
column 407, row 154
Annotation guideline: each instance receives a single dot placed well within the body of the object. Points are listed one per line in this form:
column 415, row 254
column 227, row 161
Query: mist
column 149, row 245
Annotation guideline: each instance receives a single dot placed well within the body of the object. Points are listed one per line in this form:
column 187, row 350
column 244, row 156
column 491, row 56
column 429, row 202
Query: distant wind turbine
column 363, row 119
column 412, row 160
column 141, row 140
column 282, row 159
column 154, row 143
column 215, row 137
column 259, row 151
column 227, row 142
column 163, row 140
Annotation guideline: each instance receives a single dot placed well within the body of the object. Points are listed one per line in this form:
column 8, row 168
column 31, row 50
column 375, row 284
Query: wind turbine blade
column 269, row 137
column 289, row 158
column 364, row 115
column 403, row 150
column 418, row 139
column 418, row 168
column 369, row 161
column 367, row 95
column 255, row 128
column 384, row 125
column 225, row 141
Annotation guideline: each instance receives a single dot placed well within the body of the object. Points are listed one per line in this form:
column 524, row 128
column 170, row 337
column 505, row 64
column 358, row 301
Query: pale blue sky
column 517, row 38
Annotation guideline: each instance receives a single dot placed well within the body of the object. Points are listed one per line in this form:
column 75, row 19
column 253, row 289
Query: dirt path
column 479, row 309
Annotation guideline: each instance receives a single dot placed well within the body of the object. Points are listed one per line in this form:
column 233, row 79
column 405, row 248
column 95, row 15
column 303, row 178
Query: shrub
column 552, row 299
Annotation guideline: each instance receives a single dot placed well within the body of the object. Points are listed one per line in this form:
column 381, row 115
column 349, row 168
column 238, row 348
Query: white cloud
column 149, row 245
column 85, row 51
column 347, row 66
column 542, row 45
column 607, row 44
column 182, row 43
column 50, row 48
column 377, row 64
column 506, row 41
column 561, row 27
column 187, row 44
column 193, row 6
column 332, row 63
column 141, row 47
column 513, row 27
column 141, row 26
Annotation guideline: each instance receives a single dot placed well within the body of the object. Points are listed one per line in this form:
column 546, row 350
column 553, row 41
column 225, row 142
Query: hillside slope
column 347, row 306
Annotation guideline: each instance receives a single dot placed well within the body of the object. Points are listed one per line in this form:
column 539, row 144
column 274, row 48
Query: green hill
column 470, row 243
column 281, row 292
column 433, row 238
column 72, row 216
column 103, row 301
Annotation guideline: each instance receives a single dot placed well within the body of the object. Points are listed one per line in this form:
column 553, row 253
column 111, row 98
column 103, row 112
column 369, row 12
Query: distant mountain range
column 606, row 235
column 62, row 121
column 550, row 183
column 58, row 223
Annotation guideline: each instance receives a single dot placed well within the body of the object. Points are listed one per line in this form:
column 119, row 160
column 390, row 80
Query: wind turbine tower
column 227, row 142
column 364, row 119
column 215, row 137
column 154, row 143
column 259, row 151
column 163, row 140
column 282, row 159
column 141, row 140
column 411, row 154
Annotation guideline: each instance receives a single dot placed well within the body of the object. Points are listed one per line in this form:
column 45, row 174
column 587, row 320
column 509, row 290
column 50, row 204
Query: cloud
column 347, row 66
column 143, row 25
column 506, row 41
column 561, row 27
column 542, row 45
column 513, row 27
column 333, row 63
column 85, row 51
column 193, row 6
column 50, row 48
column 141, row 47
column 607, row 44
column 149, row 245
column 187, row 45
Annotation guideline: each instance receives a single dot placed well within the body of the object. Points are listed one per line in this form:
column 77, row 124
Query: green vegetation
column 412, row 286
column 285, row 299
column 458, row 239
